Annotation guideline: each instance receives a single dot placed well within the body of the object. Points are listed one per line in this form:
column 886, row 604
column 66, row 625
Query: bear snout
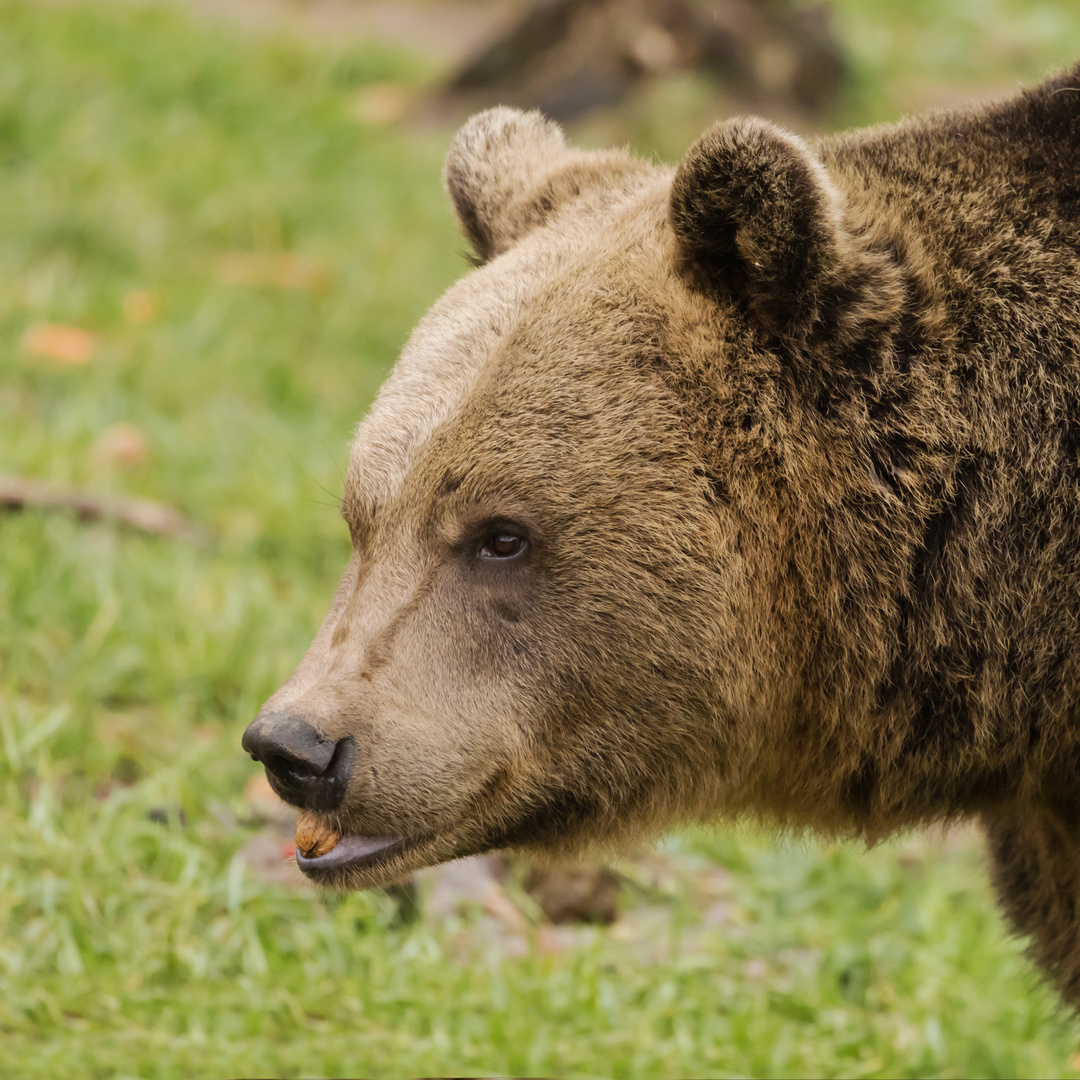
column 302, row 767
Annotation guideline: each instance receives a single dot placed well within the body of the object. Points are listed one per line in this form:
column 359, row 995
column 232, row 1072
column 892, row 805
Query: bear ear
column 756, row 214
column 495, row 163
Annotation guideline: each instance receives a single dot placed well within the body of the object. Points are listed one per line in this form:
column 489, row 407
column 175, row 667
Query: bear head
column 568, row 616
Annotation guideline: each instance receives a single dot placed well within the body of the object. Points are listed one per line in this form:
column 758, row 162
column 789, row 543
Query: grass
column 909, row 54
column 248, row 257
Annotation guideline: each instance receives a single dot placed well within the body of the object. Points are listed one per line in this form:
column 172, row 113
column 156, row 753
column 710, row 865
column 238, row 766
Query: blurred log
column 568, row 56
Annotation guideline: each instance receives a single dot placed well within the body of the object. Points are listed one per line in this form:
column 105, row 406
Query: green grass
column 142, row 152
column 906, row 55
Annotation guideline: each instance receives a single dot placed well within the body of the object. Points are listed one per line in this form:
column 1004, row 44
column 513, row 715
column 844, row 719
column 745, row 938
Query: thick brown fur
column 792, row 434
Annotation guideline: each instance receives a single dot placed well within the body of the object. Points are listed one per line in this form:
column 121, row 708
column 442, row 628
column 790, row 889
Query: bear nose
column 302, row 767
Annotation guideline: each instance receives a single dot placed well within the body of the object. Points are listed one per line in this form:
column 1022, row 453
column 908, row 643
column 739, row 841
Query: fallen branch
column 149, row 516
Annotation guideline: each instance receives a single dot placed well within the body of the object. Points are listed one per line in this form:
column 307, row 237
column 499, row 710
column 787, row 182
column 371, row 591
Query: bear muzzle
column 302, row 767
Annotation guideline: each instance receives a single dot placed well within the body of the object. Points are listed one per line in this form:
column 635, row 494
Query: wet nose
column 303, row 768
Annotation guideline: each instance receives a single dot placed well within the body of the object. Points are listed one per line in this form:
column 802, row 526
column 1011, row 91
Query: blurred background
column 218, row 222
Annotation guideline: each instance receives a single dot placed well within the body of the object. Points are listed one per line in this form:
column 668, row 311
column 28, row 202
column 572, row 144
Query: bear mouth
column 350, row 852
column 371, row 862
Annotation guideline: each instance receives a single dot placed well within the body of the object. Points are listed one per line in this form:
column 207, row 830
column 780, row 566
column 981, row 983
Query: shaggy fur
column 792, row 437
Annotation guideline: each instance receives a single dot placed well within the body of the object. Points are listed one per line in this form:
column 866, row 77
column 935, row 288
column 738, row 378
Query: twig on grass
column 148, row 515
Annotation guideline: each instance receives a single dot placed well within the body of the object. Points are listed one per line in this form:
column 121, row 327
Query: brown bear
column 748, row 486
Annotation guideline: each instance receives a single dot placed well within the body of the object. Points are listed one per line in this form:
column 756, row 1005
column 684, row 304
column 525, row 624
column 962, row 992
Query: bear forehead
column 542, row 295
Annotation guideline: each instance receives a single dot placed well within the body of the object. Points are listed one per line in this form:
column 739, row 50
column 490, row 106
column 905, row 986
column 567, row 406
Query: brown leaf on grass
column 141, row 305
column 284, row 271
column 17, row 492
column 381, row 104
column 54, row 341
column 122, row 446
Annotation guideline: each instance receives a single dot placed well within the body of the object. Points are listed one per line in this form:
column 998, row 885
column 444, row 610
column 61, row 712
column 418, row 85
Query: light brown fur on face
column 748, row 486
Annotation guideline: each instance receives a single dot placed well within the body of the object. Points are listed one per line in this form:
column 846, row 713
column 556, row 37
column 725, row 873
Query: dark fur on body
column 795, row 436
column 923, row 482
column 928, row 500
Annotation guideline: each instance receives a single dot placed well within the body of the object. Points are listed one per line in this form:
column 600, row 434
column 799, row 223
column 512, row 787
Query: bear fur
column 748, row 486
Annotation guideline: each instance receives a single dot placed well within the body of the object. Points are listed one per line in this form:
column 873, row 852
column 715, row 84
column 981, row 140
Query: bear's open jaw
column 348, row 851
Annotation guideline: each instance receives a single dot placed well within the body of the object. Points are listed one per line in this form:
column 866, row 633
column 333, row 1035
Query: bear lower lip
column 348, row 851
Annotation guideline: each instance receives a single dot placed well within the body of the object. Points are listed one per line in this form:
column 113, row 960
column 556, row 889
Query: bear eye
column 503, row 544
